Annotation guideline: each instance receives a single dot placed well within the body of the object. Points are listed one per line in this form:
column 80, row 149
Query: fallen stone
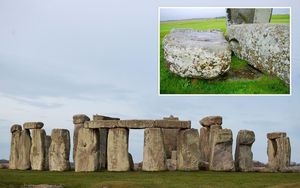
column 87, row 154
column 243, row 153
column 24, row 150
column 197, row 54
column 78, row 121
column 188, row 150
column 16, row 131
column 265, row 46
column 15, row 128
column 38, row 150
column 4, row 165
column 59, row 150
column 154, row 150
column 221, row 152
column 275, row 135
column 211, row 120
column 291, row 169
column 117, row 150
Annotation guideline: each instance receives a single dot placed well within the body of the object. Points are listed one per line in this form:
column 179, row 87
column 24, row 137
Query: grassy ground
column 14, row 178
column 172, row 84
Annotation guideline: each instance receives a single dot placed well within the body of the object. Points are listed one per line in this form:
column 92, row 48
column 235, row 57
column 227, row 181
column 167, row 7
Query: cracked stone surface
column 197, row 54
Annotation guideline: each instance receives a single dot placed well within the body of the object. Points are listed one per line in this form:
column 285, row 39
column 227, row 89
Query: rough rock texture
column 33, row 125
column 131, row 163
column 117, row 150
column 248, row 15
column 38, row 149
column 16, row 131
column 24, row 150
column 221, row 151
column 171, row 164
column 78, row 121
column 87, row 154
column 59, row 150
column 243, row 153
column 188, row 153
column 103, row 140
column 154, row 150
column 47, row 145
column 170, row 140
column 279, row 153
column 205, row 141
column 211, row 120
column 275, row 135
column 264, row 46
column 197, row 54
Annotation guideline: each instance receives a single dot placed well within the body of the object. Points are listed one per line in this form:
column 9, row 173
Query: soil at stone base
column 247, row 73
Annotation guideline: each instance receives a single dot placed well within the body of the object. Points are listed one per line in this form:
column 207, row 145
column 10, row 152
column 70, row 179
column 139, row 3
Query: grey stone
column 117, row 150
column 33, row 125
column 15, row 128
column 24, row 150
column 211, row 120
column 38, row 150
column 171, row 164
column 47, row 143
column 170, row 140
column 265, row 46
column 103, row 148
column 101, row 117
column 80, row 118
column 16, row 131
column 87, row 154
column 154, row 150
column 197, row 54
column 221, row 152
column 174, row 155
column 59, row 151
column 188, row 153
column 243, row 153
column 279, row 153
column 131, row 163
column 248, row 15
column 275, row 135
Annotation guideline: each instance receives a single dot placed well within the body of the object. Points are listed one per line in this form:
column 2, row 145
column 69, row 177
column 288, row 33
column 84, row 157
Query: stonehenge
column 169, row 144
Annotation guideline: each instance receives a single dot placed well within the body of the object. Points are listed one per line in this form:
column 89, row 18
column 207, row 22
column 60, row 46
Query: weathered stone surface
column 248, row 15
column 154, row 150
column 174, row 155
column 243, row 153
column 171, row 164
column 275, row 135
column 38, row 149
column 15, row 128
column 78, row 121
column 221, row 151
column 80, row 118
column 33, row 125
column 24, row 150
column 138, row 124
column 16, row 131
column 188, row 153
column 101, row 117
column 48, row 143
column 197, row 54
column 87, row 154
column 59, row 150
column 103, row 148
column 131, row 163
column 264, row 46
column 117, row 150
column 279, row 153
column 211, row 120
column 170, row 140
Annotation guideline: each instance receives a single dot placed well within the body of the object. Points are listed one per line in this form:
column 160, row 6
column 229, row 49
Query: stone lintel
column 138, row 124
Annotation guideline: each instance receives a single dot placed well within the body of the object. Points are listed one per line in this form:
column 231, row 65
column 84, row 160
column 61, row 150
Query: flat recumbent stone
column 197, row 54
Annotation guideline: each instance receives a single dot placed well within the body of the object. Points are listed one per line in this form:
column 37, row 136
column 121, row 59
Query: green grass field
column 172, row 84
column 14, row 178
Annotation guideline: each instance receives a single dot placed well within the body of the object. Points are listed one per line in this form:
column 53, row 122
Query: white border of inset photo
column 195, row 95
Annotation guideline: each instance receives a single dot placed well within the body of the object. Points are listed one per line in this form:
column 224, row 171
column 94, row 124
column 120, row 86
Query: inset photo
column 224, row 51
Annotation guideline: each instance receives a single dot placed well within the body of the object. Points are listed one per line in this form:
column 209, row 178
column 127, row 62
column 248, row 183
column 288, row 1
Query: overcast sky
column 59, row 58
column 181, row 13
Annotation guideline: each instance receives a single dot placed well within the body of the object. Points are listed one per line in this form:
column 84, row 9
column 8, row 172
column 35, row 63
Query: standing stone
column 221, row 151
column 154, row 150
column 188, row 150
column 279, row 151
column 38, row 150
column 14, row 146
column 87, row 153
column 131, row 163
column 103, row 140
column 170, row 138
column 243, row 153
column 78, row 121
column 248, row 15
column 172, row 163
column 209, row 124
column 59, row 150
column 24, row 150
column 48, row 143
column 117, row 150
